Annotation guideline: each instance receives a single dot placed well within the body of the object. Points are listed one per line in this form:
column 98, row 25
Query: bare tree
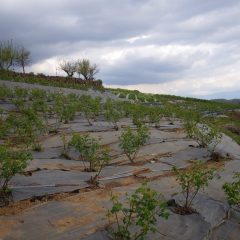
column 86, row 69
column 7, row 54
column 69, row 67
column 22, row 58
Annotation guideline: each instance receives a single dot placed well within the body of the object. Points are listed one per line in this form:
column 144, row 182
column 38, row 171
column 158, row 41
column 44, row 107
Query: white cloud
column 134, row 39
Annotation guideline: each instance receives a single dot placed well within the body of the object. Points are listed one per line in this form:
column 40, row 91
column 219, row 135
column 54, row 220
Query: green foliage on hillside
column 169, row 106
column 222, row 115
column 55, row 81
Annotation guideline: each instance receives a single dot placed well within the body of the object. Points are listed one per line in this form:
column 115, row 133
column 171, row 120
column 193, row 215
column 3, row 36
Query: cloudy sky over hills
column 181, row 47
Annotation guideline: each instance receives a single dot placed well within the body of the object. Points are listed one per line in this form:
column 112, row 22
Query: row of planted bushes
column 58, row 81
column 201, row 105
column 31, row 118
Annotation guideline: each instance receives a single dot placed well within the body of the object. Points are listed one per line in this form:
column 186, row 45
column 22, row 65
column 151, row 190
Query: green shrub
column 154, row 115
column 90, row 151
column 232, row 190
column 189, row 126
column 131, row 141
column 11, row 163
column 5, row 93
column 132, row 96
column 25, row 125
column 37, row 147
column 142, row 210
column 141, row 98
column 192, row 180
column 169, row 112
column 65, row 146
column 90, row 107
column 64, row 108
column 38, row 94
column 208, row 137
column 42, row 109
column 21, row 93
column 20, row 98
column 112, row 113
column 138, row 114
column 1, row 113
column 3, row 128
column 150, row 98
column 101, row 161
column 122, row 95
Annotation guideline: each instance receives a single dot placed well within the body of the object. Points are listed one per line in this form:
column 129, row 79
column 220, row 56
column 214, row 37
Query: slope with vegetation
column 79, row 157
column 224, row 115
column 101, row 140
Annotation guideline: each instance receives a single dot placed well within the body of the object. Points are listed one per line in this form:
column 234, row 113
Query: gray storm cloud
column 156, row 41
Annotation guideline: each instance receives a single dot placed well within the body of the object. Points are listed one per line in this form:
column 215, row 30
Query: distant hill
column 236, row 101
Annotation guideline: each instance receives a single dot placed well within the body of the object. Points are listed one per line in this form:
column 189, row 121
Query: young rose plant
column 112, row 113
column 26, row 126
column 5, row 93
column 90, row 107
column 232, row 190
column 101, row 161
column 11, row 163
column 192, row 180
column 154, row 115
column 141, row 211
column 64, row 108
column 131, row 141
column 138, row 114
column 206, row 136
column 90, row 151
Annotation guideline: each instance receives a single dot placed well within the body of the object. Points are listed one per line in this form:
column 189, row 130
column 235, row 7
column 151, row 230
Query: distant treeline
column 14, row 56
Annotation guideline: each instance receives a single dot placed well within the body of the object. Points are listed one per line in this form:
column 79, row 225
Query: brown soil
column 121, row 182
column 71, row 222
column 6, row 227
column 183, row 210
column 178, row 209
column 29, row 173
column 167, row 174
column 140, row 161
column 62, row 167
column 178, row 130
column 95, row 210
column 89, row 193
column 15, row 208
column 219, row 164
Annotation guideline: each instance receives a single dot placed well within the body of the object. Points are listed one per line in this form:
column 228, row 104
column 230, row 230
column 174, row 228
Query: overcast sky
column 180, row 47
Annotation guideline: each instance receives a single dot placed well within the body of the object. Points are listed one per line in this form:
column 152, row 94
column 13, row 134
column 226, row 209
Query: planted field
column 88, row 165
